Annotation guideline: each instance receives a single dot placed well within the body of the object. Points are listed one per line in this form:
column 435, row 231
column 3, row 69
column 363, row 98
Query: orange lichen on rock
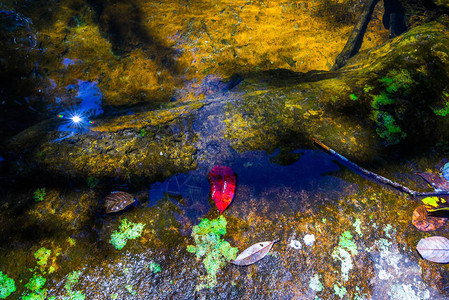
column 145, row 51
column 137, row 78
column 248, row 36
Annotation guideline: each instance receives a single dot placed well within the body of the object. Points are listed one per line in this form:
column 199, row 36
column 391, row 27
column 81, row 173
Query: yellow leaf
column 433, row 201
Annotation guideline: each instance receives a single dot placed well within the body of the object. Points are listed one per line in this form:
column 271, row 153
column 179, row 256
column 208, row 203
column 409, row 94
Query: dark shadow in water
column 277, row 78
column 123, row 24
column 257, row 178
column 337, row 13
column 19, row 76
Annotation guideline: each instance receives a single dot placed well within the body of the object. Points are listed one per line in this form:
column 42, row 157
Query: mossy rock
column 285, row 109
column 399, row 89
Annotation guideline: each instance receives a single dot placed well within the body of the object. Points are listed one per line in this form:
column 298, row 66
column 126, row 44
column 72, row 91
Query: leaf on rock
column 437, row 181
column 222, row 181
column 435, row 203
column 253, row 254
column 434, row 248
column 117, row 201
column 424, row 222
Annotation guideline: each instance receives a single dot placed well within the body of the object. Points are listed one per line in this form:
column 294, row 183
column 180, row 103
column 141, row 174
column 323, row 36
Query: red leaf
column 222, row 186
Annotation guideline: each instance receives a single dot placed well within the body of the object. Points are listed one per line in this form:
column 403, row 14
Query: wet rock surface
column 341, row 235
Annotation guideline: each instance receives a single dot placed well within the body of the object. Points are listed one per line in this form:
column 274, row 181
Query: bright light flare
column 76, row 119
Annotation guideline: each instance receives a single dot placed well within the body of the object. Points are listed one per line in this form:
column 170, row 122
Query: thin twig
column 378, row 178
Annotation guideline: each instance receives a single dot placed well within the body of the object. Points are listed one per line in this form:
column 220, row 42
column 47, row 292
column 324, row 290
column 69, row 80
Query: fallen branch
column 378, row 178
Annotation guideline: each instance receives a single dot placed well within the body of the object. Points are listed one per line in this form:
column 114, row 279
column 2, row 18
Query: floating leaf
column 434, row 248
column 117, row 201
column 424, row 222
column 222, row 185
column 253, row 254
column 435, row 203
column 437, row 181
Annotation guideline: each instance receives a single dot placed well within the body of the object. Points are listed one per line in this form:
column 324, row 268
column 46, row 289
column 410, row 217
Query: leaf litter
column 253, row 253
column 434, row 248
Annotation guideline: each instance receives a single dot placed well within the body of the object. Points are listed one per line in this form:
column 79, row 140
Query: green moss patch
column 214, row 250
column 127, row 231
column 7, row 286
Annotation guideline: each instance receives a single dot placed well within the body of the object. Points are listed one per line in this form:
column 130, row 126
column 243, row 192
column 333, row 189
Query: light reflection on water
column 90, row 106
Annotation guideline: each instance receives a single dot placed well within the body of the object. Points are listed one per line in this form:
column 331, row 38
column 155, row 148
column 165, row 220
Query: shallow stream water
column 127, row 68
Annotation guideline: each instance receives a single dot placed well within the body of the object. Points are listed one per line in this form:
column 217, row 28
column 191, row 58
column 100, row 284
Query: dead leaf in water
column 424, row 222
column 117, row 201
column 437, row 181
column 434, row 248
column 253, row 254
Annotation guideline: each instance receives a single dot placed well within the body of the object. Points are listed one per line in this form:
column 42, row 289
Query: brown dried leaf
column 253, row 254
column 437, row 181
column 424, row 222
column 117, row 201
column 434, row 248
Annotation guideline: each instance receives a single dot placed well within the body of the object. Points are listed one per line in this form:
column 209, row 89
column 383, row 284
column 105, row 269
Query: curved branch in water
column 377, row 177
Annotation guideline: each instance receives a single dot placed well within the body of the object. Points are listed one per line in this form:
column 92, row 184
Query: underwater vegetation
column 72, row 279
column 209, row 246
column 152, row 145
column 127, row 231
column 154, row 267
column 445, row 110
column 35, row 287
column 42, row 255
column 36, row 290
column 39, row 194
column 396, row 83
column 92, row 182
column 7, row 285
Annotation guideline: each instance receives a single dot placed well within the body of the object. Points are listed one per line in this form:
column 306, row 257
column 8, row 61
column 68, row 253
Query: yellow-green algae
column 41, row 256
column 357, row 225
column 209, row 244
column 340, row 291
column 127, row 231
column 347, row 243
column 154, row 267
column 7, row 286
column 72, row 279
column 39, row 194
column 36, row 290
